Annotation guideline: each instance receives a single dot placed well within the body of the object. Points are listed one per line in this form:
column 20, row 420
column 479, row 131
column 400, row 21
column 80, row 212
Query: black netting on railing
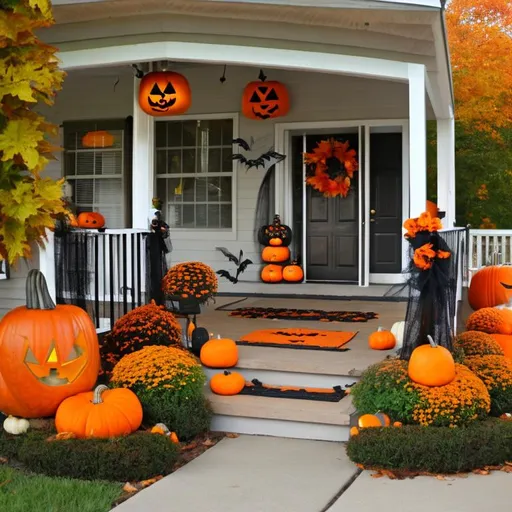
column 108, row 274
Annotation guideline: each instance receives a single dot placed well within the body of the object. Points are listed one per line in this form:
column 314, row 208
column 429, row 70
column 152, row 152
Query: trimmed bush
column 135, row 457
column 434, row 449
column 475, row 343
column 192, row 279
column 386, row 387
column 496, row 373
column 141, row 327
column 169, row 383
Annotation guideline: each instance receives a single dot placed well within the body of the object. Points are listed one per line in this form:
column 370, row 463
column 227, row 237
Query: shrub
column 496, row 373
column 489, row 320
column 434, row 449
column 169, row 383
column 191, row 279
column 143, row 326
column 475, row 343
column 135, row 457
column 387, row 387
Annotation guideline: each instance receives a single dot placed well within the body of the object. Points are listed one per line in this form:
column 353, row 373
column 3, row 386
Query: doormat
column 257, row 388
column 317, row 315
column 311, row 339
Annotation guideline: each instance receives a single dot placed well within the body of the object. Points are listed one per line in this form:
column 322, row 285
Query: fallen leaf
column 4, row 460
column 480, row 472
column 232, row 435
column 440, row 477
column 65, row 435
column 150, row 481
column 506, row 469
column 208, row 442
column 189, row 446
column 128, row 487
column 508, row 463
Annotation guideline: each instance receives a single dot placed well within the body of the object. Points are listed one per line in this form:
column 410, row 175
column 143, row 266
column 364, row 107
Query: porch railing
column 488, row 247
column 107, row 273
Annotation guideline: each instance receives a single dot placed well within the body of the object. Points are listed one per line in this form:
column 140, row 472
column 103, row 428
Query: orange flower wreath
column 332, row 165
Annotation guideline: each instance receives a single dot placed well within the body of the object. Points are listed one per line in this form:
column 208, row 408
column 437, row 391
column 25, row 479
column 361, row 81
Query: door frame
column 284, row 196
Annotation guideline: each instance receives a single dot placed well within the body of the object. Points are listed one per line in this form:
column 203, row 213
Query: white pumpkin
column 398, row 331
column 16, row 426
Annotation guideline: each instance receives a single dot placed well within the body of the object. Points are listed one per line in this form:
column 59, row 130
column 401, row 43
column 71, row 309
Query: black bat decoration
column 239, row 262
column 256, row 162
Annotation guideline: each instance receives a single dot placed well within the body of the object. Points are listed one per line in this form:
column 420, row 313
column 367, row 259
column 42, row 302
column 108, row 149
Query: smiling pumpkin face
column 47, row 353
column 265, row 100
column 164, row 93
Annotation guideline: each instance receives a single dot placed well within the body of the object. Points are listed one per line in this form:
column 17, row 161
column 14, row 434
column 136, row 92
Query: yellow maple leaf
column 16, row 81
column 21, row 137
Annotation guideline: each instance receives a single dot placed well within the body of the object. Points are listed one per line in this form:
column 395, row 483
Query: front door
column 385, row 203
column 332, row 226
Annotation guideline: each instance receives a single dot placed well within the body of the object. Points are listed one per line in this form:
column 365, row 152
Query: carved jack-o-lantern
column 47, row 353
column 275, row 234
column 164, row 93
column 265, row 100
column 90, row 220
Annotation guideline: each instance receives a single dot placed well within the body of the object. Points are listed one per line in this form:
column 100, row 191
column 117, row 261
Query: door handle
column 372, row 212
column 372, row 220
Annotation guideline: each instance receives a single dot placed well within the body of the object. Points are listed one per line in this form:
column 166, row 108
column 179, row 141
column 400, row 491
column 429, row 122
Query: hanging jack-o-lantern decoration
column 164, row 93
column 265, row 100
column 47, row 353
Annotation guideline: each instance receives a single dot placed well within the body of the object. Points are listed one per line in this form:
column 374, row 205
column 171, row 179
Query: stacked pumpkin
column 276, row 238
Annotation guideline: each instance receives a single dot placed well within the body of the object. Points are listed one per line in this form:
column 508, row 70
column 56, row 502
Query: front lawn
column 21, row 492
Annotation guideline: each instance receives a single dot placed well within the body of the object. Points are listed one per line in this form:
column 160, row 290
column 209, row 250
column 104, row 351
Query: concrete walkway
column 269, row 474
column 251, row 474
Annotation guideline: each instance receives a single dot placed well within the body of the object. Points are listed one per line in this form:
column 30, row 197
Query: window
column 98, row 174
column 194, row 172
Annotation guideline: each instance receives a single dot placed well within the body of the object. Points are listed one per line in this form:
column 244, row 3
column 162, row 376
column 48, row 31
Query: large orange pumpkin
column 100, row 413
column 491, row 286
column 275, row 254
column 164, row 93
column 272, row 274
column 265, row 100
column 47, row 353
column 431, row 365
column 90, row 220
column 293, row 273
column 219, row 353
column 227, row 383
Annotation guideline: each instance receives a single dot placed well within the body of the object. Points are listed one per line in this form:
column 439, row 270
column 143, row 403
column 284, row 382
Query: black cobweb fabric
column 262, row 216
column 432, row 293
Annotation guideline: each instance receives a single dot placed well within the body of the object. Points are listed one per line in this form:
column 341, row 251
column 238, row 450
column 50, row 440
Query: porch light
column 98, row 139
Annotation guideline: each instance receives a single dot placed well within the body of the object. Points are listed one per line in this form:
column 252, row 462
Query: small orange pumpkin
column 293, row 273
column 219, row 353
column 265, row 100
column 227, row 383
column 275, row 242
column 92, row 220
column 100, row 413
column 382, row 340
column 374, row 420
column 272, row 274
column 397, row 424
column 162, row 429
column 354, row 431
column 164, row 93
column 275, row 254
column 431, row 365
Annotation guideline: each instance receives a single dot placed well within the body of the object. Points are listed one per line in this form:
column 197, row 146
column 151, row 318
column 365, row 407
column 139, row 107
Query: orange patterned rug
column 257, row 388
column 312, row 339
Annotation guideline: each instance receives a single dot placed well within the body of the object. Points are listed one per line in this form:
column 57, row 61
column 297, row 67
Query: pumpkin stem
column 433, row 344
column 226, row 373
column 36, row 289
column 380, row 329
column 97, row 394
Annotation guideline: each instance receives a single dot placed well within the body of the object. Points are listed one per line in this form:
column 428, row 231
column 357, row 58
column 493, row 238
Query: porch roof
column 400, row 32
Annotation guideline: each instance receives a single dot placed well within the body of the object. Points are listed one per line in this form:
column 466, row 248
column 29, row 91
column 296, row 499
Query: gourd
column 431, row 365
column 16, row 426
column 227, row 383
column 101, row 413
column 381, row 340
column 219, row 353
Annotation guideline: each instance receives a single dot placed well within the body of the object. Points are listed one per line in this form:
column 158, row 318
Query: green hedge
column 433, row 449
column 135, row 457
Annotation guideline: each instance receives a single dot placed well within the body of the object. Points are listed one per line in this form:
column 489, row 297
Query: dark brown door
column 385, row 203
column 332, row 227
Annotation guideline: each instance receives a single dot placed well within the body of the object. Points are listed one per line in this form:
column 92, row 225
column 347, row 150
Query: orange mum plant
column 331, row 166
column 475, row 343
column 192, row 279
column 490, row 321
column 146, row 325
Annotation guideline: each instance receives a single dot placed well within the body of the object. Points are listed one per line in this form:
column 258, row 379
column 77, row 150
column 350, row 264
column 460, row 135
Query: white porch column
column 446, row 169
column 417, row 139
column 47, row 263
column 143, row 156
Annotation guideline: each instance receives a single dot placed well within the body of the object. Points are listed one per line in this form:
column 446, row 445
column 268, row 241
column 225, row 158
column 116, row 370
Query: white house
column 368, row 71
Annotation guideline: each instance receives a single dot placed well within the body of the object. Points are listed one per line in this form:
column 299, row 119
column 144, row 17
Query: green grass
column 20, row 492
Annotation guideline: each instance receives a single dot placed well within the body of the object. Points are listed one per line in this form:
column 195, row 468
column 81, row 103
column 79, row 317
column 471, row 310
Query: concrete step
column 282, row 417
column 12, row 289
